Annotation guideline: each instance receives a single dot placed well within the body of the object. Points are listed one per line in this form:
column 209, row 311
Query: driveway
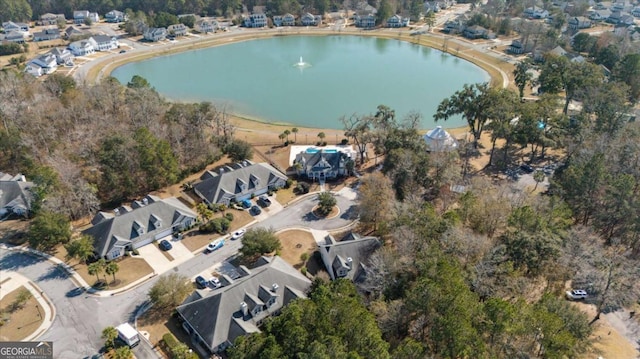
column 155, row 258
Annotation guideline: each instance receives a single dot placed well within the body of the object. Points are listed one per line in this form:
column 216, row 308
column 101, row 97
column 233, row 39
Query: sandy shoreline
column 258, row 131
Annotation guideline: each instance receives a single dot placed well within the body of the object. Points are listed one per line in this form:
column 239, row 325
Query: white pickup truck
column 128, row 334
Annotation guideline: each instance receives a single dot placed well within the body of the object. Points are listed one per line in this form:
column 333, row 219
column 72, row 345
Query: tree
column 628, row 71
column 287, row 133
column 282, row 137
column 112, row 268
column 239, row 150
column 169, row 291
column 295, row 134
column 358, row 128
column 385, row 11
column 138, row 82
column 583, row 42
column 376, row 200
column 502, row 108
column 47, row 230
column 124, row 352
column 522, row 77
column 204, row 212
column 471, row 102
column 96, row 268
column 259, row 241
column 321, row 136
column 156, row 159
column 539, row 177
column 326, row 202
column 81, row 249
column 188, row 20
column 109, row 334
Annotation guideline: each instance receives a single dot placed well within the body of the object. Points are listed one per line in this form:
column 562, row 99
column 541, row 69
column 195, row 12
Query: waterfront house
column 155, row 34
column 105, row 43
column 322, row 164
column 215, row 318
column 206, row 25
column 453, row 27
column 72, row 31
column 349, row 257
column 51, row 19
column 15, row 195
column 397, row 21
column 475, row 32
column 238, row 182
column 83, row 47
column 115, row 16
column 62, row 55
column 177, row 29
column 145, row 221
column 46, row 34
column 256, row 20
column 365, row 21
column 284, row 20
column 309, row 19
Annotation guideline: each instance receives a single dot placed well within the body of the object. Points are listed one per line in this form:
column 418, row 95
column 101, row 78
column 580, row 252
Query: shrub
column 302, row 188
column 303, row 270
column 228, row 216
column 135, row 252
column 344, row 141
column 218, row 225
column 288, row 183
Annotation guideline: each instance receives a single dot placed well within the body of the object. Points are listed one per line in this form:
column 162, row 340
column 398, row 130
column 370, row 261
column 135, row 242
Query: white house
column 33, row 70
column 51, row 19
column 105, row 43
column 115, row 16
column 206, row 25
column 535, row 12
column 397, row 21
column 284, row 20
column 155, row 34
column 62, row 55
column 256, row 20
column 177, row 29
column 83, row 47
column 80, row 16
column 439, row 140
column 309, row 19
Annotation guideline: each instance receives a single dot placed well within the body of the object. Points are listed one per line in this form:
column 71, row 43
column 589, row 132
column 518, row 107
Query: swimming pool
column 315, row 150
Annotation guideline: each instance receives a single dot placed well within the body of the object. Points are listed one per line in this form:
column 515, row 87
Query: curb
column 47, row 322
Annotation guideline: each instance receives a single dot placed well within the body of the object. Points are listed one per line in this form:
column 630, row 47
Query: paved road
column 80, row 317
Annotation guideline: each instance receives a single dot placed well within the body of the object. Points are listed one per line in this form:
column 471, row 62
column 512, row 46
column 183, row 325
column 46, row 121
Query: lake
column 339, row 76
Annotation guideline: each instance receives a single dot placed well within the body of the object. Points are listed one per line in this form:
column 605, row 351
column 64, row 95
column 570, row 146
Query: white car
column 217, row 244
column 215, row 282
column 576, row 294
column 239, row 233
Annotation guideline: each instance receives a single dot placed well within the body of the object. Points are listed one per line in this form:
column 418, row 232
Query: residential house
column 365, row 21
column 47, row 62
column 83, row 47
column 15, row 26
column 155, row 34
column 115, row 16
column 129, row 228
column 80, row 16
column 62, row 55
column 475, row 32
column 516, row 47
column 614, row 18
column 177, row 29
column 16, row 197
column 284, row 20
column 618, row 6
column 599, row 15
column 215, row 318
column 238, row 182
column 626, row 20
column 33, row 70
column 453, row 27
column 105, row 43
column 636, row 11
column 309, row 19
column 46, row 34
column 206, row 25
column 535, row 12
column 348, row 258
column 322, row 164
column 397, row 21
column 363, row 8
column 51, row 19
column 431, row 6
column 557, row 51
column 256, row 20
column 579, row 22
column 72, row 32
column 15, row 36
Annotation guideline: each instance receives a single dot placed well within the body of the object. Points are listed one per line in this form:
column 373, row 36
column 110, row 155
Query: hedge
column 170, row 342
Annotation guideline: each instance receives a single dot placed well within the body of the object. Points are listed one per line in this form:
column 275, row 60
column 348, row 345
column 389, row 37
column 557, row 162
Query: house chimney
column 244, row 308
column 226, row 280
column 145, row 201
column 350, row 262
column 244, row 271
column 116, row 212
column 274, row 287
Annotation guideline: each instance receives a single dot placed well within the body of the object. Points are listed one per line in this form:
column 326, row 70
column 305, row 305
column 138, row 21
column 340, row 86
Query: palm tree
column 295, row 133
column 112, row 268
column 123, row 352
column 95, row 269
column 204, row 211
column 287, row 133
column 281, row 137
column 109, row 334
column 322, row 135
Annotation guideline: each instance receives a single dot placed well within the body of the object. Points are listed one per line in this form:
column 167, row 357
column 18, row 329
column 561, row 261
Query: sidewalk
column 15, row 281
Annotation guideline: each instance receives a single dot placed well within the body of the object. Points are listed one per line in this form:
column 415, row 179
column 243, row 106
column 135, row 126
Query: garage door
column 166, row 232
column 142, row 243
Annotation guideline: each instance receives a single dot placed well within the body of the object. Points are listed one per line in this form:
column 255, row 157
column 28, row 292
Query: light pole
column 38, row 309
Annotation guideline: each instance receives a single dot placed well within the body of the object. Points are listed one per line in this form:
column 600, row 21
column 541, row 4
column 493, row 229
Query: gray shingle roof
column 355, row 247
column 216, row 187
column 320, row 161
column 15, row 193
column 217, row 316
column 109, row 231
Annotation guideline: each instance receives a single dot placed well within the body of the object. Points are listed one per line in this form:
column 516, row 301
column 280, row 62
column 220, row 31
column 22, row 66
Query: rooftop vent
column 145, row 201
column 349, row 262
column 274, row 287
column 244, row 308
column 116, row 212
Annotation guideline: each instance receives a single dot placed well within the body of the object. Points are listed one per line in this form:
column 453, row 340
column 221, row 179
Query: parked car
column 123, row 51
column 215, row 282
column 165, row 245
column 215, row 245
column 238, row 234
column 255, row 210
column 246, row 203
column 526, row 168
column 264, row 201
column 576, row 294
column 201, row 283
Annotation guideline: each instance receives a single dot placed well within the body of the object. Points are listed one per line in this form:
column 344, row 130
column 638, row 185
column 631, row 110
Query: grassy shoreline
column 104, row 67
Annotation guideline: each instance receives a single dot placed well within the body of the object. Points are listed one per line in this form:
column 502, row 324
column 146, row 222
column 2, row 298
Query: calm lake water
column 342, row 75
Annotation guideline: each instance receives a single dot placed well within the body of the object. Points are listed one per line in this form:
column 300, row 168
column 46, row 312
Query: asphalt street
column 81, row 317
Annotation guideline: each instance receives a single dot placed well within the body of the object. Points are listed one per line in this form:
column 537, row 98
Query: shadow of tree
column 15, row 261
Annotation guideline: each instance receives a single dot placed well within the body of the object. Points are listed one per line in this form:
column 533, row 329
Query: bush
column 135, row 252
column 172, row 346
column 288, row 183
column 344, row 141
column 302, row 188
column 217, row 225
column 228, row 216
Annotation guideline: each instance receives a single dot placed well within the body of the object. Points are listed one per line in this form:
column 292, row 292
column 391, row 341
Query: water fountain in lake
column 301, row 64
